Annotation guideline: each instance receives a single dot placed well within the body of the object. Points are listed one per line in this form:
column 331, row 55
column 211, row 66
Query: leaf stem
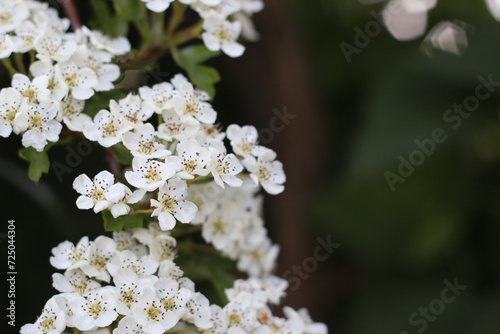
column 8, row 65
column 18, row 59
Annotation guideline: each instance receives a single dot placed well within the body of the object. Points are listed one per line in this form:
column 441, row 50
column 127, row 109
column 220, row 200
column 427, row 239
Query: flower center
column 152, row 176
column 36, row 122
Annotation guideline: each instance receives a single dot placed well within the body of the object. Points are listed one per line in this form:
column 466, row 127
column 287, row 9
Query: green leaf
column 106, row 21
column 122, row 222
column 122, row 155
column 131, row 10
column 190, row 59
column 39, row 162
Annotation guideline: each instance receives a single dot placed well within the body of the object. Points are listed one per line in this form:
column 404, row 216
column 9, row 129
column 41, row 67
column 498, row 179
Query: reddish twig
column 72, row 13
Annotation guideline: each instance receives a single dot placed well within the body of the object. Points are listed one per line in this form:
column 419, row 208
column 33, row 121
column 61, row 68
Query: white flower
column 116, row 46
column 33, row 91
column 74, row 281
column 225, row 7
column 107, row 129
column 28, row 35
column 221, row 34
column 173, row 297
column 259, row 261
column 204, row 197
column 98, row 255
column 97, row 193
column 224, row 168
column 210, row 135
column 48, row 20
column 56, row 47
column 125, row 240
column 159, row 97
column 244, row 140
column 143, row 142
column 308, row 326
column 13, row 14
column 157, row 6
column 51, row 321
column 97, row 308
column 151, row 314
column 146, row 265
column 67, row 256
column 193, row 159
column 191, row 102
column 151, row 174
column 98, row 61
column 238, row 314
column 128, row 325
column 7, row 46
column 177, row 127
column 80, row 81
column 120, row 206
column 10, row 101
column 267, row 171
column 198, row 311
column 171, row 203
column 39, row 123
column 131, row 109
column 71, row 113
column 162, row 247
column 130, row 286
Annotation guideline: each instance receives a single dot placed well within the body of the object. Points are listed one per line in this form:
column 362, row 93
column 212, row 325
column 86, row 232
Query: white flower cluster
column 187, row 148
column 131, row 280
column 223, row 21
column 70, row 67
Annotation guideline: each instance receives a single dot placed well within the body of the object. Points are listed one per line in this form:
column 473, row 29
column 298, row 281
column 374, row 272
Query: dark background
column 352, row 123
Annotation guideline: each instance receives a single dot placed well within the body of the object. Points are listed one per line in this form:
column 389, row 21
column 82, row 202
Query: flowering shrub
column 180, row 205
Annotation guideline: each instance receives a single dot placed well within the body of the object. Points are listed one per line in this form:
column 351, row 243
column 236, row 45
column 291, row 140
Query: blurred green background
column 352, row 123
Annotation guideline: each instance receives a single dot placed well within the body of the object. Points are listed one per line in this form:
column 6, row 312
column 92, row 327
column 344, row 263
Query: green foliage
column 190, row 59
column 107, row 21
column 194, row 265
column 39, row 161
column 122, row 222
column 122, row 155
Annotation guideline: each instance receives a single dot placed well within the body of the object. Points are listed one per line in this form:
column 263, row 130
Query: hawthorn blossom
column 244, row 140
column 74, row 281
column 157, row 6
column 171, row 204
column 107, row 129
column 131, row 109
column 191, row 102
column 159, row 97
column 52, row 320
column 173, row 297
column 71, row 113
column 267, row 171
column 34, row 91
column 151, row 314
column 176, row 127
column 97, row 308
column 56, row 47
column 224, row 168
column 98, row 255
column 144, row 142
column 98, row 193
column 151, row 174
column 221, row 34
column 38, row 120
column 10, row 101
column 68, row 256
column 193, row 159
column 78, row 81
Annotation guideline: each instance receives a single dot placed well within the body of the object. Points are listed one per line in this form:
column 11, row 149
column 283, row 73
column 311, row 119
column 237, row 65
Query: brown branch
column 72, row 13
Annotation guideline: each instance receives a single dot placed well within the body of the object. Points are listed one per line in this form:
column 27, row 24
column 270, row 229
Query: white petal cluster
column 69, row 69
column 224, row 21
column 169, row 159
column 126, row 281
